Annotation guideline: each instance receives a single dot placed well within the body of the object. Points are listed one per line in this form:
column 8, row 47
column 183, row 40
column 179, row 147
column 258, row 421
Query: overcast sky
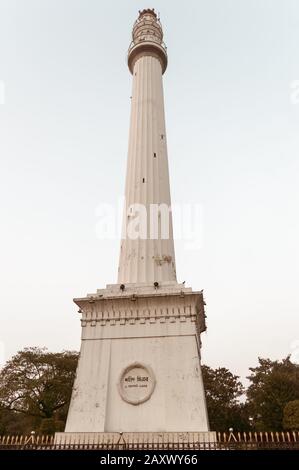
column 233, row 145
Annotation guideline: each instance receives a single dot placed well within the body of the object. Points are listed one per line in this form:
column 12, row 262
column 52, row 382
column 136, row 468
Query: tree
column 223, row 390
column 273, row 385
column 38, row 384
column 291, row 416
column 13, row 423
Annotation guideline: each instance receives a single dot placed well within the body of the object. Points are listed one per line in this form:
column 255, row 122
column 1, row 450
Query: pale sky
column 233, row 146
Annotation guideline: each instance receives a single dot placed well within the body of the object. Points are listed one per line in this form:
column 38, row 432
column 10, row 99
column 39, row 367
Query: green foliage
column 291, row 416
column 13, row 423
column 50, row 426
column 273, row 385
column 37, row 384
column 223, row 391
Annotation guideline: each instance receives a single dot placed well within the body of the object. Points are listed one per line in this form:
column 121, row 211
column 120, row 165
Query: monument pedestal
column 139, row 366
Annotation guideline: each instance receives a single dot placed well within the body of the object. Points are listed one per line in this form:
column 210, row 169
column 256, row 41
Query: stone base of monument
column 139, row 366
column 138, row 440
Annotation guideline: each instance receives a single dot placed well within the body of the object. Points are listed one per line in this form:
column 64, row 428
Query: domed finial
column 147, row 11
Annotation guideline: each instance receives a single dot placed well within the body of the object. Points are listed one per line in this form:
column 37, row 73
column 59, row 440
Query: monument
column 139, row 367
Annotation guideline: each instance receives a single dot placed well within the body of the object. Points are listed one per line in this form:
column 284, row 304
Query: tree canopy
column 291, row 416
column 223, row 391
column 38, row 384
column 273, row 385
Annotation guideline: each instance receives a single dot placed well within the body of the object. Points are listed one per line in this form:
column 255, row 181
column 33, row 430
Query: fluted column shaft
column 147, row 182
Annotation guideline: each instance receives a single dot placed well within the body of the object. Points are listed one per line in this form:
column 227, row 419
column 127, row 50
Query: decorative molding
column 148, row 309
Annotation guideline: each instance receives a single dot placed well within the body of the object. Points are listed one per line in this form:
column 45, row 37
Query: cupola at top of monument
column 147, row 28
column 147, row 39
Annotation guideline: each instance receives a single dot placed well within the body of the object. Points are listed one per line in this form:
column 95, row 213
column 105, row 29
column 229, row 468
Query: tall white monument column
column 147, row 183
column 139, row 366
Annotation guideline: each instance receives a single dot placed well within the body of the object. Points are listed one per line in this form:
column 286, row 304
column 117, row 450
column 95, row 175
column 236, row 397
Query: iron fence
column 224, row 441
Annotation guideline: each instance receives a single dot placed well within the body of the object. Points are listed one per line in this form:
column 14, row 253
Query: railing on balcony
column 153, row 39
